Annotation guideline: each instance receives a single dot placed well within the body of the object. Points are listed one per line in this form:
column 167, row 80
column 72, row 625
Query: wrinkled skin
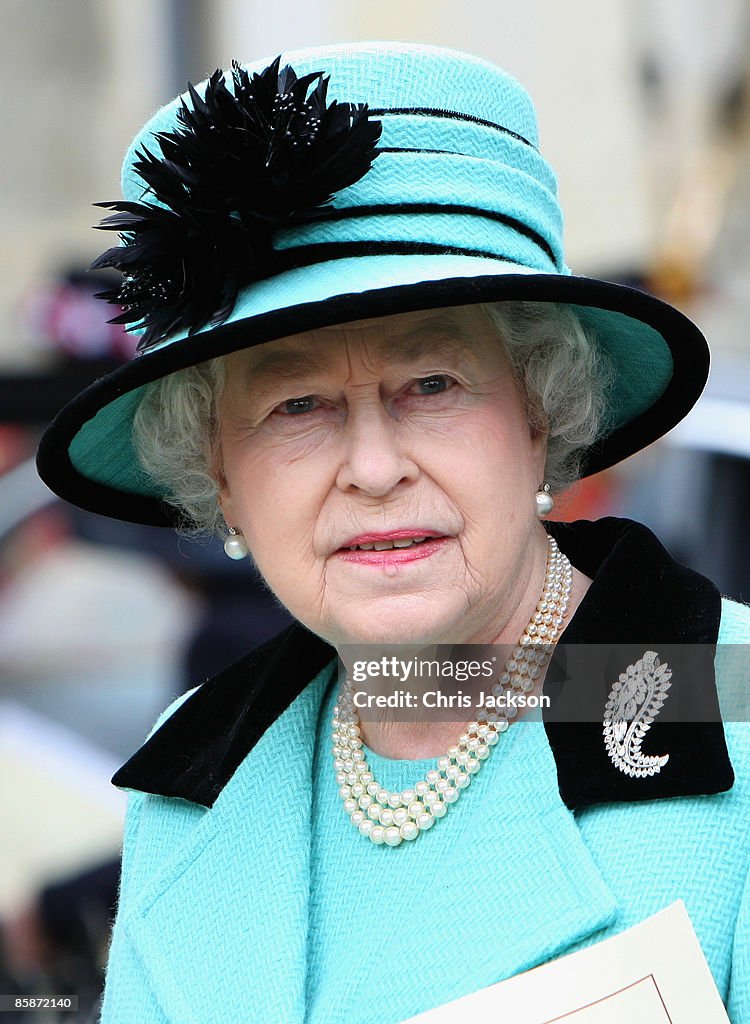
column 412, row 421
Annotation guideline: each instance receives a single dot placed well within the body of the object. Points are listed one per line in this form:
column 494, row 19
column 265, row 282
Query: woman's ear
column 223, row 494
column 539, row 439
column 225, row 504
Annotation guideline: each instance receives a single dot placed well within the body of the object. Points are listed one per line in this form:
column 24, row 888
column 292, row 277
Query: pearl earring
column 235, row 546
column 544, row 501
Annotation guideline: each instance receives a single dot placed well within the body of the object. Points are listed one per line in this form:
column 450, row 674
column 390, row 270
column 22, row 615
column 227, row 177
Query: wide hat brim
column 659, row 360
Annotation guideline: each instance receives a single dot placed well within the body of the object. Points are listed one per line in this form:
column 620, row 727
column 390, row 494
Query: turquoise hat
column 336, row 184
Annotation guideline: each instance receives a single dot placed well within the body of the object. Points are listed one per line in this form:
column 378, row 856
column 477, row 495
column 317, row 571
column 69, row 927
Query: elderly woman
column 364, row 361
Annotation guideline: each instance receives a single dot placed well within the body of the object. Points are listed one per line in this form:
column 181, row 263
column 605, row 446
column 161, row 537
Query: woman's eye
column 433, row 384
column 294, row 406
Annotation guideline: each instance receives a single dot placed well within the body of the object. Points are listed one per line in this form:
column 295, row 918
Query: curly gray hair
column 561, row 371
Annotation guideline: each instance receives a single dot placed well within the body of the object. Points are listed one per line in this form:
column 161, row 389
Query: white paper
column 653, row 973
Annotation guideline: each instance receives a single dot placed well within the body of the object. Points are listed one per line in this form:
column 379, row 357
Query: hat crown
column 454, row 168
column 385, row 75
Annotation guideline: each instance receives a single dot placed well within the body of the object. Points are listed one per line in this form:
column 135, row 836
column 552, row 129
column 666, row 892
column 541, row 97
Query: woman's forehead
column 459, row 329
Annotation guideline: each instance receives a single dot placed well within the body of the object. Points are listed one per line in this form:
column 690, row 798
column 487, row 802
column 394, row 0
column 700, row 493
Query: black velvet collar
column 640, row 599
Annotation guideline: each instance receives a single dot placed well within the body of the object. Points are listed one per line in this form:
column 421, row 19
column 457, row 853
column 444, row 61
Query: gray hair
column 561, row 372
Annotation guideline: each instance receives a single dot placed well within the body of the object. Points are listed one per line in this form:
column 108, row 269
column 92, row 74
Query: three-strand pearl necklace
column 388, row 817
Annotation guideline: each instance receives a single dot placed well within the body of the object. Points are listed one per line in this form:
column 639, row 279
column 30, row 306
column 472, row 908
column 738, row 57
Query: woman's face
column 404, row 438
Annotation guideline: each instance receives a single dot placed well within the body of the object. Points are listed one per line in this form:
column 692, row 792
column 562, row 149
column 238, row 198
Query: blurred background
column 643, row 110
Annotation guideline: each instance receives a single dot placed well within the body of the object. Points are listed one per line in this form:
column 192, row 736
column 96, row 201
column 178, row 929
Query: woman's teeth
column 386, row 545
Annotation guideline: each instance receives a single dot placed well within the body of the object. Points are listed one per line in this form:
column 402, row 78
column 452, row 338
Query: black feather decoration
column 240, row 163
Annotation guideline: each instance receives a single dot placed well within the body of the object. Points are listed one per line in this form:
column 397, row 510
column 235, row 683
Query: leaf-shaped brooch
column 634, row 702
column 240, row 163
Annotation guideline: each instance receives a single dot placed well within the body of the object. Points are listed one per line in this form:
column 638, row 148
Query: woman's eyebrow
column 279, row 367
column 432, row 341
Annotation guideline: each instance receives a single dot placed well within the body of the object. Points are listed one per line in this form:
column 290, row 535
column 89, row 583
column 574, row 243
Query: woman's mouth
column 392, row 548
column 388, row 545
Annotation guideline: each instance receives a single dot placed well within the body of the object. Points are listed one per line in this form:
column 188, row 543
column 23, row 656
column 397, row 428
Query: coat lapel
column 231, row 907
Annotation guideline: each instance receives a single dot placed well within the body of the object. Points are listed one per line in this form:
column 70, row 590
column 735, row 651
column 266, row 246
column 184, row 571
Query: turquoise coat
column 212, row 923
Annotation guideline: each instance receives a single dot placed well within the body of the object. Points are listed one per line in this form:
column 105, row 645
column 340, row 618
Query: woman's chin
column 376, row 627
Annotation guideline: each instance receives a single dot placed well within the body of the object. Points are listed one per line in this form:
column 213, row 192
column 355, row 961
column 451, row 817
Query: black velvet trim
column 383, row 210
column 640, row 599
column 685, row 341
column 639, row 596
column 451, row 115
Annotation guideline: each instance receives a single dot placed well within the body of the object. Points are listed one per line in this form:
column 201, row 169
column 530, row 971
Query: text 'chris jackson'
column 457, row 699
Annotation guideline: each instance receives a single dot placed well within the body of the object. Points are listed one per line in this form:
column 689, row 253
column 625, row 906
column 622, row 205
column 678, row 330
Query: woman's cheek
column 261, row 463
column 284, row 506
column 286, row 444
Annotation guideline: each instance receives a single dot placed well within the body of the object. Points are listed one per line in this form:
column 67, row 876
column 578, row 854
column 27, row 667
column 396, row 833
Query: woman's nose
column 374, row 461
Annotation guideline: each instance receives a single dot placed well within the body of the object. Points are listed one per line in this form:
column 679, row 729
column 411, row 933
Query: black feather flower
column 239, row 163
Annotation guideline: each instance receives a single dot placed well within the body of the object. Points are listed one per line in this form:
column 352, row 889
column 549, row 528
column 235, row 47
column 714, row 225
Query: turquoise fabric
column 270, row 907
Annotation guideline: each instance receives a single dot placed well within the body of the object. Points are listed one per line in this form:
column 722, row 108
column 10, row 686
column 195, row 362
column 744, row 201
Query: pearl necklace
column 388, row 817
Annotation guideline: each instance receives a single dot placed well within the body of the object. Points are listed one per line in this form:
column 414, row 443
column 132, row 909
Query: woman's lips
column 388, row 537
column 394, row 548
